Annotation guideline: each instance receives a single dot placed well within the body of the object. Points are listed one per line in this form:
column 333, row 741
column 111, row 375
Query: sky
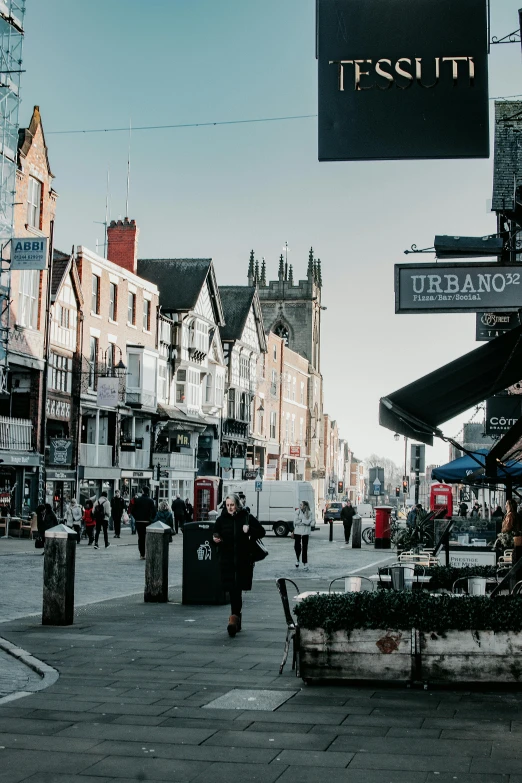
column 220, row 191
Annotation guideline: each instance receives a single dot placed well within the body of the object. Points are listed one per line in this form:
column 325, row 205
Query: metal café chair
column 402, row 575
column 476, row 585
column 517, row 589
column 352, row 583
column 292, row 628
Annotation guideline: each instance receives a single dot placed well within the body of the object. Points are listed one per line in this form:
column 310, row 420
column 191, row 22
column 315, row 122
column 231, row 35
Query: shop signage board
column 61, row 451
column 502, row 413
column 295, row 451
column 402, row 79
column 107, row 392
column 457, row 287
column 29, row 253
column 183, row 439
column 491, row 325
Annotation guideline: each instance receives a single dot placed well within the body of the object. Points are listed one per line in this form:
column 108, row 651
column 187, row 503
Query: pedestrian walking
column 144, row 513
column 189, row 511
column 347, row 515
column 463, row 510
column 301, row 533
column 179, row 510
column 89, row 521
column 46, row 519
column 132, row 518
column 475, row 511
column 73, row 518
column 234, row 533
column 101, row 513
column 118, row 506
column 165, row 515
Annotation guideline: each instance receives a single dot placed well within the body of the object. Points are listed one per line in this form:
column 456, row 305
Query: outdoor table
column 8, row 519
column 387, row 578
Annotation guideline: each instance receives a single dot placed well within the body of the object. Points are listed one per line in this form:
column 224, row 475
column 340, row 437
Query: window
column 111, row 353
column 113, row 301
column 243, row 367
column 243, row 407
column 273, row 425
column 201, row 337
column 287, row 428
column 95, row 298
column 231, row 413
column 146, row 315
column 181, row 379
column 162, row 382
column 60, row 373
column 93, row 358
column 273, row 384
column 34, row 202
column 293, row 389
column 194, row 388
column 301, row 430
column 292, row 431
column 208, row 388
column 133, row 371
column 275, row 353
column 28, row 298
column 302, row 393
column 131, row 309
column 261, row 422
column 220, row 389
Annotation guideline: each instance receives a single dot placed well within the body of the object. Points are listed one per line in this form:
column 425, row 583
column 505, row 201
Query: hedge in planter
column 396, row 610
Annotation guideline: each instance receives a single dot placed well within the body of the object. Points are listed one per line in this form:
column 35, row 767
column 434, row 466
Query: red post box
column 383, row 527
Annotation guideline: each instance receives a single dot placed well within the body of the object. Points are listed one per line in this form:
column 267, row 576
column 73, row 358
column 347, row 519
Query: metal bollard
column 58, row 578
column 157, row 563
column 356, row 532
column 330, row 538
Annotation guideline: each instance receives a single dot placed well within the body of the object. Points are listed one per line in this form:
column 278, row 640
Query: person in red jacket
column 88, row 521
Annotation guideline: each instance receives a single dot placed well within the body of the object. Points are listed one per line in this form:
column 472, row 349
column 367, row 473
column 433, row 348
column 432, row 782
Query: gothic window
column 282, row 331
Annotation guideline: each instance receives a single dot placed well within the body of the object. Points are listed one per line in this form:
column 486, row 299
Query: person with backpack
column 101, row 513
column 144, row 513
column 73, row 518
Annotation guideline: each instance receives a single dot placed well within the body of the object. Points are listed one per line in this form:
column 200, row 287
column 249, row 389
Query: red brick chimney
column 122, row 238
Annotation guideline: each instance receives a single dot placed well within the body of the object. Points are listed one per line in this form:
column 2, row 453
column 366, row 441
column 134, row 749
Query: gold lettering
column 455, row 61
column 359, row 73
column 388, row 76
column 418, row 73
column 401, row 72
column 471, row 71
column 341, row 64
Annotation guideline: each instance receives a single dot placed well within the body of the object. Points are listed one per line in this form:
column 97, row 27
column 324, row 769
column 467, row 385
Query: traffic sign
column 259, row 486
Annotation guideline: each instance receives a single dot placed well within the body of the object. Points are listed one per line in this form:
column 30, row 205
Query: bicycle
column 368, row 534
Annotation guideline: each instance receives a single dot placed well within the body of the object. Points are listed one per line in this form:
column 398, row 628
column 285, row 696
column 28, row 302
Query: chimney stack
column 122, row 240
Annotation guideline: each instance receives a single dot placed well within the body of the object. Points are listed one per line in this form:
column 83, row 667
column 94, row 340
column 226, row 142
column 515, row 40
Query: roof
column 180, row 281
column 26, row 136
column 60, row 267
column 418, row 409
column 508, row 154
column 237, row 301
column 176, row 414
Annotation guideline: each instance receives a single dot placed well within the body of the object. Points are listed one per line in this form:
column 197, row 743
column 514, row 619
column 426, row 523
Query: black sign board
column 60, row 451
column 457, row 288
column 491, row 325
column 502, row 412
column 402, row 79
column 183, row 439
column 376, row 481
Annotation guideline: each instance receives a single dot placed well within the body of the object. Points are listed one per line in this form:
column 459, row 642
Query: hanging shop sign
column 107, row 392
column 402, row 79
column 491, row 325
column 61, row 451
column 502, row 413
column 457, row 288
column 29, row 253
column 295, row 451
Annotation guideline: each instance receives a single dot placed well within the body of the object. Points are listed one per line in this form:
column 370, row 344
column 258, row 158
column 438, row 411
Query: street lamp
column 405, row 475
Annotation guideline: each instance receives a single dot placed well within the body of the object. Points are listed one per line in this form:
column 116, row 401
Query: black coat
column 117, row 507
column 347, row 514
column 178, row 508
column 144, row 509
column 237, row 567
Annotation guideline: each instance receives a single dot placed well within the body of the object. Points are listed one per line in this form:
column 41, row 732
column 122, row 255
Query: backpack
column 98, row 513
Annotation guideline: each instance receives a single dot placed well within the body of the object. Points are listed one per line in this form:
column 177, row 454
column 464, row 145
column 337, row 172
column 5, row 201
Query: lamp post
column 405, row 475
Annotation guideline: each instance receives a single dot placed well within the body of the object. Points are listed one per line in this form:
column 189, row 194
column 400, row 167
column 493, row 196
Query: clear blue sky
column 220, row 191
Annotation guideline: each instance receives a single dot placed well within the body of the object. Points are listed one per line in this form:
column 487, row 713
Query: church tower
column 292, row 310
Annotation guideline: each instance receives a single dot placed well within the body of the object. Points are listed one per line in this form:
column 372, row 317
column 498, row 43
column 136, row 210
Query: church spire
column 281, row 273
column 291, row 275
column 263, row 273
column 310, row 270
column 256, row 274
column 251, row 269
column 319, row 274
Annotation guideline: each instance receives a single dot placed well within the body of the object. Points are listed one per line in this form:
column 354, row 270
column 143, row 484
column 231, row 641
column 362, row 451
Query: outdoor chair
column 423, row 558
column 517, row 588
column 352, row 583
column 476, row 585
column 506, row 558
column 292, row 628
column 402, row 575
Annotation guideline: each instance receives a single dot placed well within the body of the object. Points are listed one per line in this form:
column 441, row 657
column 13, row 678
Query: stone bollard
column 330, row 537
column 212, row 516
column 58, row 580
column 356, row 532
column 157, row 563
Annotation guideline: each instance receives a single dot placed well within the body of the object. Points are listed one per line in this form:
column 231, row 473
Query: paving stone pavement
column 16, row 676
column 135, row 678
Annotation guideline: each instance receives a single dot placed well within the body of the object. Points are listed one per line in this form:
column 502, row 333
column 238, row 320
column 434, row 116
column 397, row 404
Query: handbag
column 125, row 518
column 258, row 550
column 39, row 542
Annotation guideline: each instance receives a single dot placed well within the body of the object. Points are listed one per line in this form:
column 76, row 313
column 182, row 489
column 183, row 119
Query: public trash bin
column 201, row 567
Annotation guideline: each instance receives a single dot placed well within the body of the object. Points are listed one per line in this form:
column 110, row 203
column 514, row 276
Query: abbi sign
column 29, row 253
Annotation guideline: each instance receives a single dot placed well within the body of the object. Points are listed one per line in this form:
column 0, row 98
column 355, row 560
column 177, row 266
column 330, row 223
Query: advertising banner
column 502, row 412
column 457, row 287
column 29, row 253
column 107, row 394
column 402, row 79
column 491, row 325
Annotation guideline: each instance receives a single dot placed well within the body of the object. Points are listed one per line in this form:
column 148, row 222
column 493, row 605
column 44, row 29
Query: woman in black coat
column 234, row 533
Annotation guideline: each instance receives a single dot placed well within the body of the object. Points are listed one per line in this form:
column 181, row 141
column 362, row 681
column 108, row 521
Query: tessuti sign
column 457, row 288
column 491, row 325
column 402, row 79
column 29, row 253
column 502, row 412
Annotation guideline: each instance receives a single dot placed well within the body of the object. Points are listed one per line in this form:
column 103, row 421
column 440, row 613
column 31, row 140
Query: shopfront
column 133, row 481
column 20, row 477
column 94, row 481
column 60, row 487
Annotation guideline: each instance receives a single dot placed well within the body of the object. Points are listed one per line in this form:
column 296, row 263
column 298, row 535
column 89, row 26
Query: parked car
column 332, row 511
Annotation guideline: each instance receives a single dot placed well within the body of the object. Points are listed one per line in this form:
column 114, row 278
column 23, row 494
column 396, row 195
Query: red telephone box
column 206, row 489
column 441, row 497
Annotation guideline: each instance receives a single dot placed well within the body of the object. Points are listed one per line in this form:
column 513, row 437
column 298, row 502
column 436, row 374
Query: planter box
column 471, row 656
column 404, row 656
column 355, row 655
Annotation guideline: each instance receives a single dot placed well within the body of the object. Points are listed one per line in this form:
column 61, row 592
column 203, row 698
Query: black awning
column 419, row 409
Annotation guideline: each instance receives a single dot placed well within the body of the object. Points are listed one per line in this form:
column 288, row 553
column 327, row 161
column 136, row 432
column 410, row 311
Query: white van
column 365, row 510
column 278, row 502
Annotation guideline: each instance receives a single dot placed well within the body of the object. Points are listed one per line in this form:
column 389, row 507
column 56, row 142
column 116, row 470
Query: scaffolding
column 12, row 14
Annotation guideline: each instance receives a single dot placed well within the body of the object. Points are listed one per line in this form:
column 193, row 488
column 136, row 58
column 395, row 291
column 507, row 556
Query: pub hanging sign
column 457, row 288
column 402, row 79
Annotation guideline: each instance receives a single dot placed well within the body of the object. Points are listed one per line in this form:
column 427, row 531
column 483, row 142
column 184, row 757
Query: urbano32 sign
column 402, row 79
column 457, row 288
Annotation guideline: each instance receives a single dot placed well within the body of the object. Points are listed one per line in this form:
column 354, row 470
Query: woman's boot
column 238, row 622
column 233, row 622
